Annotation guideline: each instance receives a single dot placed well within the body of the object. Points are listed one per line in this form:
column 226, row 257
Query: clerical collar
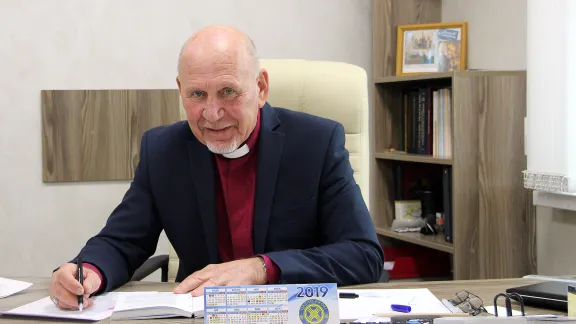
column 249, row 144
column 240, row 152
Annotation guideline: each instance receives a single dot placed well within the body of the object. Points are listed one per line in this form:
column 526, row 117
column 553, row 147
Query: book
column 158, row 305
column 425, row 125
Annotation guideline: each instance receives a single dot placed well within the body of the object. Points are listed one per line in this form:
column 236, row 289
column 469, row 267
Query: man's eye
column 197, row 94
column 228, row 91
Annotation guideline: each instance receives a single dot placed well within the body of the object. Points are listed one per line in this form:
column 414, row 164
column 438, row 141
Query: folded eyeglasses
column 468, row 303
column 473, row 305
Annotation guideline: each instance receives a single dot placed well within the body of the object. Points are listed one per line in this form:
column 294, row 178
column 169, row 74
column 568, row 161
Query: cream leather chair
column 333, row 90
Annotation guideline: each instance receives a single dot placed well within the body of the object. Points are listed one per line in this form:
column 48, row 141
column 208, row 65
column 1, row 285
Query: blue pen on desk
column 401, row 308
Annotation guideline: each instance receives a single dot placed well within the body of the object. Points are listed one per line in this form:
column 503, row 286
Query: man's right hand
column 66, row 288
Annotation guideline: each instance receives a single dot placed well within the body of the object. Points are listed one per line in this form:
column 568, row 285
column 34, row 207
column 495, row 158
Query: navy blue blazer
column 310, row 217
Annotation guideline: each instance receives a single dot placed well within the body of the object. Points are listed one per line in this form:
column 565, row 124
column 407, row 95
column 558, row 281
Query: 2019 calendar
column 306, row 304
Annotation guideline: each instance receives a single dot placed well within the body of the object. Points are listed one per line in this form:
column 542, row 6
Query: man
column 246, row 193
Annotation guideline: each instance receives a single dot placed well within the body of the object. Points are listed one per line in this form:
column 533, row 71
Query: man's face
column 221, row 94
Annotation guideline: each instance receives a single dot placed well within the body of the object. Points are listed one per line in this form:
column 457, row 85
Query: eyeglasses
column 468, row 303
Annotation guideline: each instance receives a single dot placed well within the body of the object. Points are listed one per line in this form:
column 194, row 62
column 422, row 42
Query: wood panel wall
column 386, row 16
column 94, row 135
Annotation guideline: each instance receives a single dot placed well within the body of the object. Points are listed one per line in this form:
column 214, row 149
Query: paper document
column 158, row 305
column 502, row 311
column 374, row 301
column 102, row 308
column 9, row 287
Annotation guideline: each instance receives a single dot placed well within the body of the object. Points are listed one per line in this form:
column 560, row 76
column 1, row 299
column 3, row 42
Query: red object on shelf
column 417, row 262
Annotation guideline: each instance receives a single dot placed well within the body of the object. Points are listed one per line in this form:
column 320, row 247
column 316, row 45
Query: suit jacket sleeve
column 131, row 233
column 350, row 253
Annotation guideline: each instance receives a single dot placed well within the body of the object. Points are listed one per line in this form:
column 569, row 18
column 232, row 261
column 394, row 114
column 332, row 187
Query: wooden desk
column 485, row 289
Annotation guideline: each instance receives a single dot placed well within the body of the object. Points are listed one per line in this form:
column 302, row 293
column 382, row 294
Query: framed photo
column 429, row 48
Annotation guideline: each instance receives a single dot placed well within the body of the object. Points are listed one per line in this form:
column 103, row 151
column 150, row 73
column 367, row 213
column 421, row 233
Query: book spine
column 421, row 123
column 413, row 125
column 447, row 201
column 435, row 124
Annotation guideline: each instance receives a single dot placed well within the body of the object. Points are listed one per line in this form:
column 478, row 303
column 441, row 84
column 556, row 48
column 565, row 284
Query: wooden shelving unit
column 493, row 217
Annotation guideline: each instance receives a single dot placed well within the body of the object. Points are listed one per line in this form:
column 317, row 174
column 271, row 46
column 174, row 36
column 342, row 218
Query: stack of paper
column 9, row 287
column 378, row 301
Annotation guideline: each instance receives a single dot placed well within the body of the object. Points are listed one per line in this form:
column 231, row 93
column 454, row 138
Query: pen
column 401, row 308
column 348, row 295
column 81, row 281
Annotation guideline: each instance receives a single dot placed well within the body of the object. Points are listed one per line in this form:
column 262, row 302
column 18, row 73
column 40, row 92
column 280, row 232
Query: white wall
column 497, row 40
column 496, row 31
column 118, row 44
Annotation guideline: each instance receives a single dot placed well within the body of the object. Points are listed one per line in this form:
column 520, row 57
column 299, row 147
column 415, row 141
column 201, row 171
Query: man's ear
column 178, row 82
column 262, row 87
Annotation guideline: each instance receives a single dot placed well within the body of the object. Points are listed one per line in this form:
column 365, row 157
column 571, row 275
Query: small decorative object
column 407, row 209
column 429, row 48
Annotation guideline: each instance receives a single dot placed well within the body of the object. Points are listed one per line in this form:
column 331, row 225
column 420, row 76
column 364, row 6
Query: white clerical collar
column 240, row 152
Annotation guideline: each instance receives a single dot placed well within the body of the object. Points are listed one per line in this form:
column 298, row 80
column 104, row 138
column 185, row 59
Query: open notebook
column 158, row 305
column 120, row 305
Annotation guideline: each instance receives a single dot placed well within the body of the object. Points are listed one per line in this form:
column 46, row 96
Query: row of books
column 426, row 125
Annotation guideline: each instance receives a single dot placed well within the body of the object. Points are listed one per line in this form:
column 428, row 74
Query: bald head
column 223, row 40
column 221, row 86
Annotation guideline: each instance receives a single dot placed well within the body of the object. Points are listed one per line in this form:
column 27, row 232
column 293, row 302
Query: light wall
column 496, row 31
column 115, row 44
column 497, row 40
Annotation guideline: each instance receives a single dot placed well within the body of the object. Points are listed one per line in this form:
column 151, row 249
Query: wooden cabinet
column 493, row 218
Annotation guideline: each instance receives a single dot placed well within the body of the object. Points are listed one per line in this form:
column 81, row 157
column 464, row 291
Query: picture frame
column 431, row 48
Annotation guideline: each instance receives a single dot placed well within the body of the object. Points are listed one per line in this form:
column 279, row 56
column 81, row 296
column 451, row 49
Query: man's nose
column 212, row 111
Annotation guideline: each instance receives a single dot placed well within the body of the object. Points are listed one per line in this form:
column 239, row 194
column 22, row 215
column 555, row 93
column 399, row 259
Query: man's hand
column 236, row 273
column 66, row 288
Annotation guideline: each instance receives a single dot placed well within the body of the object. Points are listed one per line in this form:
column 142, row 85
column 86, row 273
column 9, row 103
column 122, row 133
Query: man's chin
column 222, row 147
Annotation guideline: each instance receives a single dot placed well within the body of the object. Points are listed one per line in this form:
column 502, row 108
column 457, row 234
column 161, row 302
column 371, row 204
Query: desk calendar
column 274, row 304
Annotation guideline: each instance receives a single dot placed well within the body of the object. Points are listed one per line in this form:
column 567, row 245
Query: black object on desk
column 348, row 295
column 551, row 294
column 81, row 281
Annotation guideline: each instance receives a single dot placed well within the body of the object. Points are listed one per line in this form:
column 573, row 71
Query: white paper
column 502, row 311
column 374, row 319
column 378, row 301
column 102, row 308
column 9, row 287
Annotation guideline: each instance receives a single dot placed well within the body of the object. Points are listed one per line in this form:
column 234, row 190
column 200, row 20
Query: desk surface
column 485, row 289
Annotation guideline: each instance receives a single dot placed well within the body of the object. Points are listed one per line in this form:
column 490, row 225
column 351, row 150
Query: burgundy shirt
column 235, row 206
column 235, row 196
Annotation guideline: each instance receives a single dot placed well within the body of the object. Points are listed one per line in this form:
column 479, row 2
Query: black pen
column 81, row 281
column 348, row 295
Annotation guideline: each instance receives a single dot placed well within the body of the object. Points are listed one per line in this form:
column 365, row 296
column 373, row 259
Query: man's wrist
column 272, row 270
column 98, row 273
column 262, row 271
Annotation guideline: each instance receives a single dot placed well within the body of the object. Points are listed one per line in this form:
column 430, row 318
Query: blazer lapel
column 202, row 163
column 269, row 154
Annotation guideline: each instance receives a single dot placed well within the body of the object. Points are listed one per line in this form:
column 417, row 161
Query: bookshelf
column 493, row 219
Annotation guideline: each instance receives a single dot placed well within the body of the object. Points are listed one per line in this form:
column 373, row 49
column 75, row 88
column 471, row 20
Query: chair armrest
column 150, row 266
